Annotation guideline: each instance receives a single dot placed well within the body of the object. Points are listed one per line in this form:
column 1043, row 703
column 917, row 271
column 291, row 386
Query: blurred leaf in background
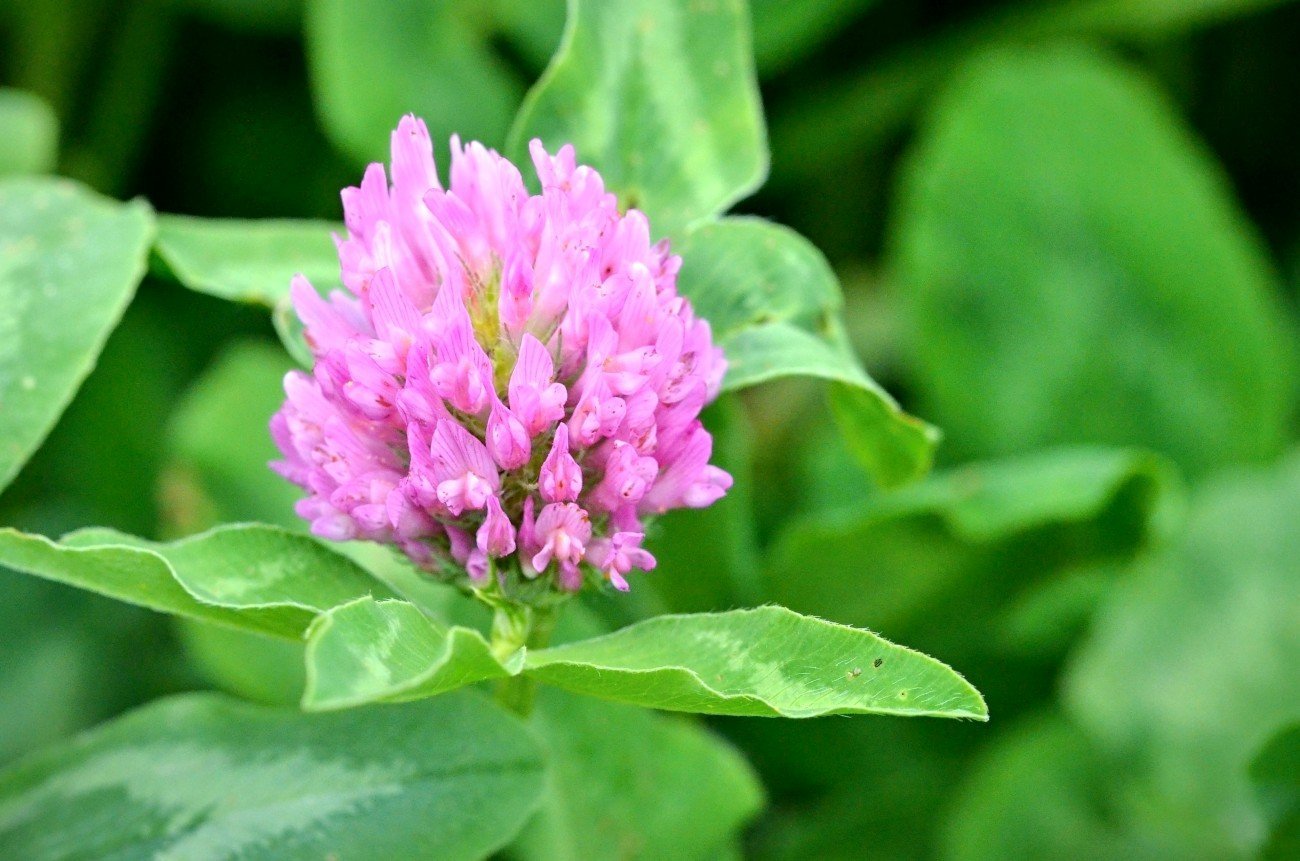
column 1072, row 269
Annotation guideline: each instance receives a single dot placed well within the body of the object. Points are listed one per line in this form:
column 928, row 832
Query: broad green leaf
column 202, row 776
column 247, row 260
column 763, row 662
column 30, row 143
column 627, row 783
column 219, row 445
column 774, row 306
column 369, row 651
column 1074, row 269
column 1191, row 663
column 69, row 263
column 372, row 63
column 659, row 96
column 249, row 576
column 940, row 563
column 1275, row 772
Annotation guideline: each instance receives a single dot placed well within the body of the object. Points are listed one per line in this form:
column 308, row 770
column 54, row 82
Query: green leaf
column 774, row 305
column 30, row 143
column 370, row 64
column 69, row 263
column 219, row 445
column 660, row 96
column 940, row 563
column 369, row 651
column 249, row 576
column 1034, row 249
column 247, row 260
column 1196, row 652
column 628, row 783
column 765, row 662
column 201, row 776
column 1275, row 772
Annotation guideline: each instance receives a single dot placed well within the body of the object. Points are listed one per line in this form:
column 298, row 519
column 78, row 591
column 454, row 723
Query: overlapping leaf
column 368, row 650
column 766, row 662
column 773, row 303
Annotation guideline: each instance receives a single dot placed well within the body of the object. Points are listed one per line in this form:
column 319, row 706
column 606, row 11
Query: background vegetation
column 1067, row 234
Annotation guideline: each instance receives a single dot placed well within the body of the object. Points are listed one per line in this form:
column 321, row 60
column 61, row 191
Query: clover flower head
column 510, row 382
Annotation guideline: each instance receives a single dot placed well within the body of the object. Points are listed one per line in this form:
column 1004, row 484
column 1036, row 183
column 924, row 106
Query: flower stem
column 516, row 626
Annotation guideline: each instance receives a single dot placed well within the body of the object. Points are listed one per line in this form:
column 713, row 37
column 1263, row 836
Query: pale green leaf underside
column 248, row 260
column 251, row 576
column 202, row 776
column 769, row 661
column 30, row 143
column 69, row 263
column 660, row 96
column 371, row 650
column 773, row 303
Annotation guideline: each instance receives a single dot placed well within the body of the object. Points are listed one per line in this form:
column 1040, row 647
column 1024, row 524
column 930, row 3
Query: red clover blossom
column 507, row 377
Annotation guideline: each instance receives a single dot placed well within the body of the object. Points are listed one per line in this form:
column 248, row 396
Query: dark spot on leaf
column 877, row 662
column 902, row 695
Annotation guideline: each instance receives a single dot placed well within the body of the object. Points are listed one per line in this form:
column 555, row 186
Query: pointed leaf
column 247, row 260
column 202, row 776
column 767, row 661
column 774, row 303
column 244, row 575
column 70, row 261
column 370, row 651
column 660, row 96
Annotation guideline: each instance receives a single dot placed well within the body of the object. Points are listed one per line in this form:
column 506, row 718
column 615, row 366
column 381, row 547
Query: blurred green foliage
column 1068, row 235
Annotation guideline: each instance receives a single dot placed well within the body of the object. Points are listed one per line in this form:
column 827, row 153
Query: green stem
column 517, row 626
